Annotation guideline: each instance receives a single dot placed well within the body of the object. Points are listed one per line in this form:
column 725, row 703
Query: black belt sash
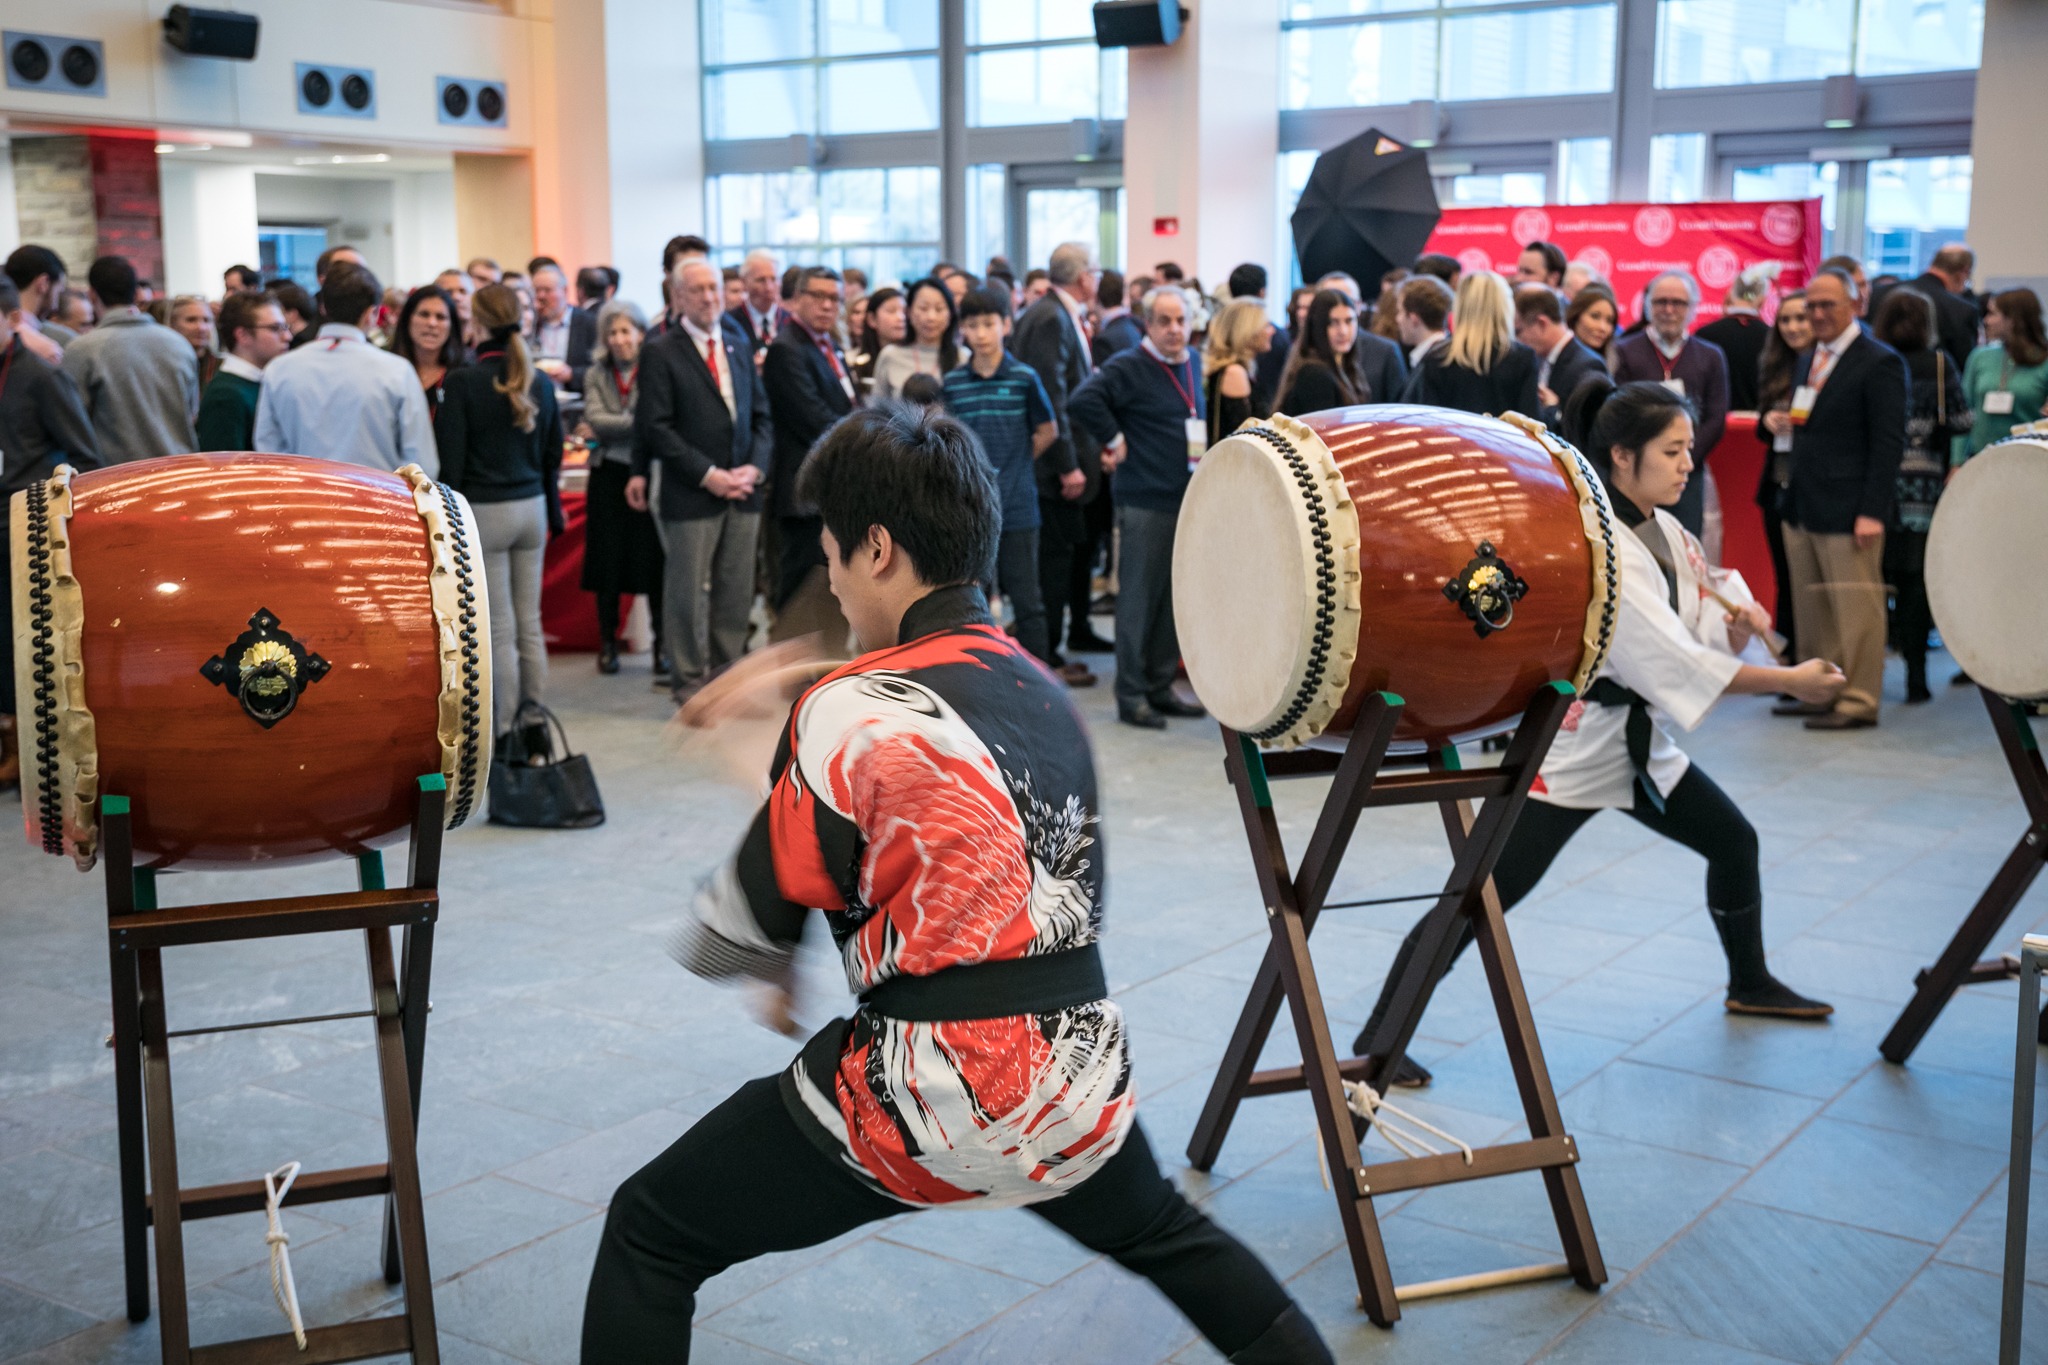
column 1608, row 692
column 993, row 990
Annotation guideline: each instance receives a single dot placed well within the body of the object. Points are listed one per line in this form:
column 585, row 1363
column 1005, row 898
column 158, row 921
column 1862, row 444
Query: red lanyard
column 1669, row 364
column 1186, row 393
column 625, row 381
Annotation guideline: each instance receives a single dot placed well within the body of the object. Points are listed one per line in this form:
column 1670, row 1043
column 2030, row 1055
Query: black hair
column 592, row 281
column 1004, row 278
column 1905, row 320
column 804, row 274
column 30, row 263
column 1109, row 290
column 540, row 263
column 245, row 276
column 916, row 472
column 985, row 302
column 238, row 313
column 1553, row 258
column 291, row 296
column 1247, row 281
column 348, row 292
column 1598, row 416
column 1445, row 268
column 792, row 280
column 686, row 244
column 401, row 331
column 949, row 349
column 113, row 279
column 923, row 390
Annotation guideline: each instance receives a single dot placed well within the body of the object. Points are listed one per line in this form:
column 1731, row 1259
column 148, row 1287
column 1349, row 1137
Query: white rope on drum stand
column 276, row 1185
column 1368, row 1104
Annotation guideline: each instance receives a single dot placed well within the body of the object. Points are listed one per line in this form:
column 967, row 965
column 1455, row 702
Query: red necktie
column 711, row 359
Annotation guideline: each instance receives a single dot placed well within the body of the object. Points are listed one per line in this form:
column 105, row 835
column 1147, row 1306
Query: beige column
column 2008, row 194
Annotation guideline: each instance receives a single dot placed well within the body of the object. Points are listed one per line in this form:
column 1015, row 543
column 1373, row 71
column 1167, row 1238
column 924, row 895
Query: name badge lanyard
column 845, row 381
column 1669, row 364
column 1195, row 430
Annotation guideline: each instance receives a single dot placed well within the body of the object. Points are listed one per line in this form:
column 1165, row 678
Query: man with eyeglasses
column 256, row 333
column 809, row 389
column 1848, row 435
column 1695, row 370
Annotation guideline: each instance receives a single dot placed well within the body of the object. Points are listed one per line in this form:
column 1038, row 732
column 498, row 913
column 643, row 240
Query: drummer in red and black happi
column 936, row 799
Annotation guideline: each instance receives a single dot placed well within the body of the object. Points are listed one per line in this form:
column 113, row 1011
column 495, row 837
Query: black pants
column 1018, row 579
column 745, row 1181
column 1774, row 536
column 1905, row 568
column 1697, row 814
column 6, row 604
column 608, row 616
column 1062, row 564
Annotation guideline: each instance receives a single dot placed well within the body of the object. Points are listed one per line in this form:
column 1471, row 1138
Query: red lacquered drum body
column 1458, row 561
column 262, row 653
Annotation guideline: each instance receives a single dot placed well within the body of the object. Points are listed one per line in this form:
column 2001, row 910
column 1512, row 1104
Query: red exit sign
column 1166, row 227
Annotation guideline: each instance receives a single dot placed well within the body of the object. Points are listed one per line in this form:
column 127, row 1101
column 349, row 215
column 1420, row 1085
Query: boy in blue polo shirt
column 1000, row 399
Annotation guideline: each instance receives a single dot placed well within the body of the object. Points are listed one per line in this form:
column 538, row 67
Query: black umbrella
column 1369, row 206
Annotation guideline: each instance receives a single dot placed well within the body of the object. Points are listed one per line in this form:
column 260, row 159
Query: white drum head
column 1985, row 554
column 1265, row 583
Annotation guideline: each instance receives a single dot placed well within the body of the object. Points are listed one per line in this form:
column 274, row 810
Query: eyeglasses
column 1670, row 303
column 285, row 328
column 823, row 296
column 1814, row 305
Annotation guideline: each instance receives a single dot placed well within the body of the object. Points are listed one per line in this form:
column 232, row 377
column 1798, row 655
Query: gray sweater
column 140, row 383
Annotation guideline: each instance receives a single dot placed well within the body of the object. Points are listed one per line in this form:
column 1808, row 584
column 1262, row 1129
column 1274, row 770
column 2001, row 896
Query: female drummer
column 1675, row 652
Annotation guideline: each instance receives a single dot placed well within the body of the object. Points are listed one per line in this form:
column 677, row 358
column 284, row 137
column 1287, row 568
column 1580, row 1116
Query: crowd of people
column 1092, row 396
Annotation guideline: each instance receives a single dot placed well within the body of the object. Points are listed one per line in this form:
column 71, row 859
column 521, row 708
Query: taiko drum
column 262, row 653
column 1985, row 550
column 1458, row 561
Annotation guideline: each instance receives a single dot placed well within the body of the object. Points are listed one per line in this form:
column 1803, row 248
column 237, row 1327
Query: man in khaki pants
column 1849, row 414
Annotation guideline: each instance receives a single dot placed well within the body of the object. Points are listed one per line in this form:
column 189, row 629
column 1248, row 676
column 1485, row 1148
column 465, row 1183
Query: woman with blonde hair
column 1483, row 368
column 1240, row 333
column 191, row 317
column 500, row 438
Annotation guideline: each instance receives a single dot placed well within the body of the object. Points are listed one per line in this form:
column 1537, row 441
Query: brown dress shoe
column 1840, row 720
column 10, row 756
column 1800, row 708
column 1077, row 675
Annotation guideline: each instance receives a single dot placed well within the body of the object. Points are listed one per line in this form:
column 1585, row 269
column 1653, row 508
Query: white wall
column 357, row 213
column 1202, row 142
column 209, row 218
column 10, row 215
column 656, row 135
column 423, row 241
column 2008, row 195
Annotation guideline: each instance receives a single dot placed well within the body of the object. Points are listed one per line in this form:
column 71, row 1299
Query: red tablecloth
column 568, row 615
column 1737, row 463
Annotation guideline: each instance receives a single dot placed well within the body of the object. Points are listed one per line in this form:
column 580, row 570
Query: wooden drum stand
column 137, row 933
column 1294, row 900
column 1961, row 962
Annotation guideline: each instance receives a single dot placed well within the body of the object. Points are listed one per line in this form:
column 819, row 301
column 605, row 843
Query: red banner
column 1630, row 244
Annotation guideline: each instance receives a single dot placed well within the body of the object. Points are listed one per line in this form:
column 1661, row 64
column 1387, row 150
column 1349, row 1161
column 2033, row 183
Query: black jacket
column 484, row 456
column 806, row 398
column 1741, row 337
column 1120, row 333
column 1845, row 456
column 680, row 421
column 1510, row 386
column 582, row 342
column 1955, row 319
column 1573, row 364
column 1046, row 340
column 42, row 425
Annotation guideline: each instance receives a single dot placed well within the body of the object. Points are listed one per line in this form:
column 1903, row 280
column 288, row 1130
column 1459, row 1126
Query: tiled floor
column 1762, row 1192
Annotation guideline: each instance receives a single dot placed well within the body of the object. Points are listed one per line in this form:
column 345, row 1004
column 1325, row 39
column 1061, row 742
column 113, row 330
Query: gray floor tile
column 1900, row 1183
column 1980, row 1242
column 1605, row 1339
column 1100, row 1313
column 471, row 1223
column 527, row 1303
column 1954, row 1106
column 1949, row 1313
column 48, row 1195
column 28, row 1321
column 1806, row 1287
column 1697, row 1114
column 1012, row 1242
column 590, row 1168
column 1817, row 1057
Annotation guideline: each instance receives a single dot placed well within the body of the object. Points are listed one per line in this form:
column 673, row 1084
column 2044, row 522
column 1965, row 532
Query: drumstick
column 1776, row 643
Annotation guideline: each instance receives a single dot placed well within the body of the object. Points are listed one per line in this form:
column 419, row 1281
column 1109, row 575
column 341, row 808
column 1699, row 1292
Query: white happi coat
column 1679, row 661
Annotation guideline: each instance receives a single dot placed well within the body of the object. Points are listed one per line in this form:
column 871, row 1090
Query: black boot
column 608, row 657
column 1751, row 987
column 1916, row 679
column 1291, row 1340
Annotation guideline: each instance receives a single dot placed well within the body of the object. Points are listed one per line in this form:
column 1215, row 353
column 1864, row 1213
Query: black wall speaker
column 54, row 65
column 212, row 32
column 1138, row 23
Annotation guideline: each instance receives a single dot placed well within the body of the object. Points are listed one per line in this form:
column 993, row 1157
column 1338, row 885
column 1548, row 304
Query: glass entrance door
column 1077, row 202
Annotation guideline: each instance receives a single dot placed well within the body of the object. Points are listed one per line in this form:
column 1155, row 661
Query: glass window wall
column 1751, row 42
column 1915, row 206
column 885, row 221
column 1434, row 51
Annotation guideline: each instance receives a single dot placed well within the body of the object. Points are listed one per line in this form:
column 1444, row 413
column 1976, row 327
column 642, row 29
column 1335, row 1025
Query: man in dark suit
column 702, row 421
column 1740, row 332
column 1116, row 328
column 1052, row 338
column 1696, row 369
column 809, row 389
column 563, row 334
column 1562, row 360
column 1948, row 275
column 1849, row 414
column 761, row 315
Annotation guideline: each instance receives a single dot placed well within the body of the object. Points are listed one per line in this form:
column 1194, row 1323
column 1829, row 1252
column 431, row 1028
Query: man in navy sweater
column 1145, row 406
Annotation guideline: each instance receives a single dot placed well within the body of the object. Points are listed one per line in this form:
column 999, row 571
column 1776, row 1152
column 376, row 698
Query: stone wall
column 126, row 203
column 53, row 193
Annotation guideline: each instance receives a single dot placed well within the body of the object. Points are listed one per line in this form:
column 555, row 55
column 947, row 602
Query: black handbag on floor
column 535, row 786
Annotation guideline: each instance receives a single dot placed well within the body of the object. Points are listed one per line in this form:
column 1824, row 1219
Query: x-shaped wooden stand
column 1293, row 902
column 1962, row 963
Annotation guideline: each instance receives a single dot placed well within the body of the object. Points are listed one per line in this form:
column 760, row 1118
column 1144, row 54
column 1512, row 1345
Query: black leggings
column 608, row 616
column 745, row 1181
column 1697, row 814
